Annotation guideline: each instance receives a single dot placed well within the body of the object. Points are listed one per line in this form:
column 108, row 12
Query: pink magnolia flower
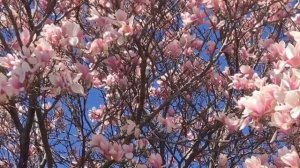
column 155, row 160
column 187, row 66
column 282, row 120
column 85, row 71
column 66, row 80
column 43, row 52
column 15, row 84
column 21, row 69
column 52, row 33
column 100, row 142
column 8, row 61
column 186, row 18
column 73, row 32
column 186, row 39
column 77, row 88
column 198, row 15
column 240, row 82
column 168, row 123
column 97, row 46
column 277, row 72
column 274, row 91
column 121, row 15
column 25, row 36
column 193, row 3
column 111, row 35
column 142, row 143
column 114, row 62
column 245, row 54
column 289, row 157
column 254, row 162
column 293, row 55
column 257, row 105
column 126, row 29
column 277, row 50
column 56, row 79
column 141, row 166
column 266, row 43
column 98, row 20
column 247, row 70
column 197, row 44
column 292, row 101
column 173, row 49
column 128, row 150
column 96, row 114
column 116, row 152
column 140, row 8
column 43, row 4
column 231, row 123
column 291, row 79
column 111, row 80
column 222, row 161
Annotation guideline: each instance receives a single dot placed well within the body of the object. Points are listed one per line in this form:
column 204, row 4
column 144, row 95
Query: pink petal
column 25, row 36
column 77, row 88
column 121, row 15
column 295, row 35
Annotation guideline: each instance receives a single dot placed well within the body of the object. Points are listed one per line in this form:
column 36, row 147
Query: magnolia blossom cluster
column 157, row 68
column 113, row 151
column 186, row 45
column 274, row 102
column 246, row 80
column 278, row 100
column 41, row 55
column 118, row 152
column 285, row 158
column 168, row 123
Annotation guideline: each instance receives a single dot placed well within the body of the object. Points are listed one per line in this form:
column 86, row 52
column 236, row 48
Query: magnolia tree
column 149, row 83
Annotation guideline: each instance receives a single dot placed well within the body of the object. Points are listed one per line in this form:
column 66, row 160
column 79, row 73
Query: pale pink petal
column 292, row 98
column 295, row 35
column 77, row 88
column 295, row 112
column 121, row 15
column 291, row 159
column 25, row 36
column 155, row 160
column 73, row 41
